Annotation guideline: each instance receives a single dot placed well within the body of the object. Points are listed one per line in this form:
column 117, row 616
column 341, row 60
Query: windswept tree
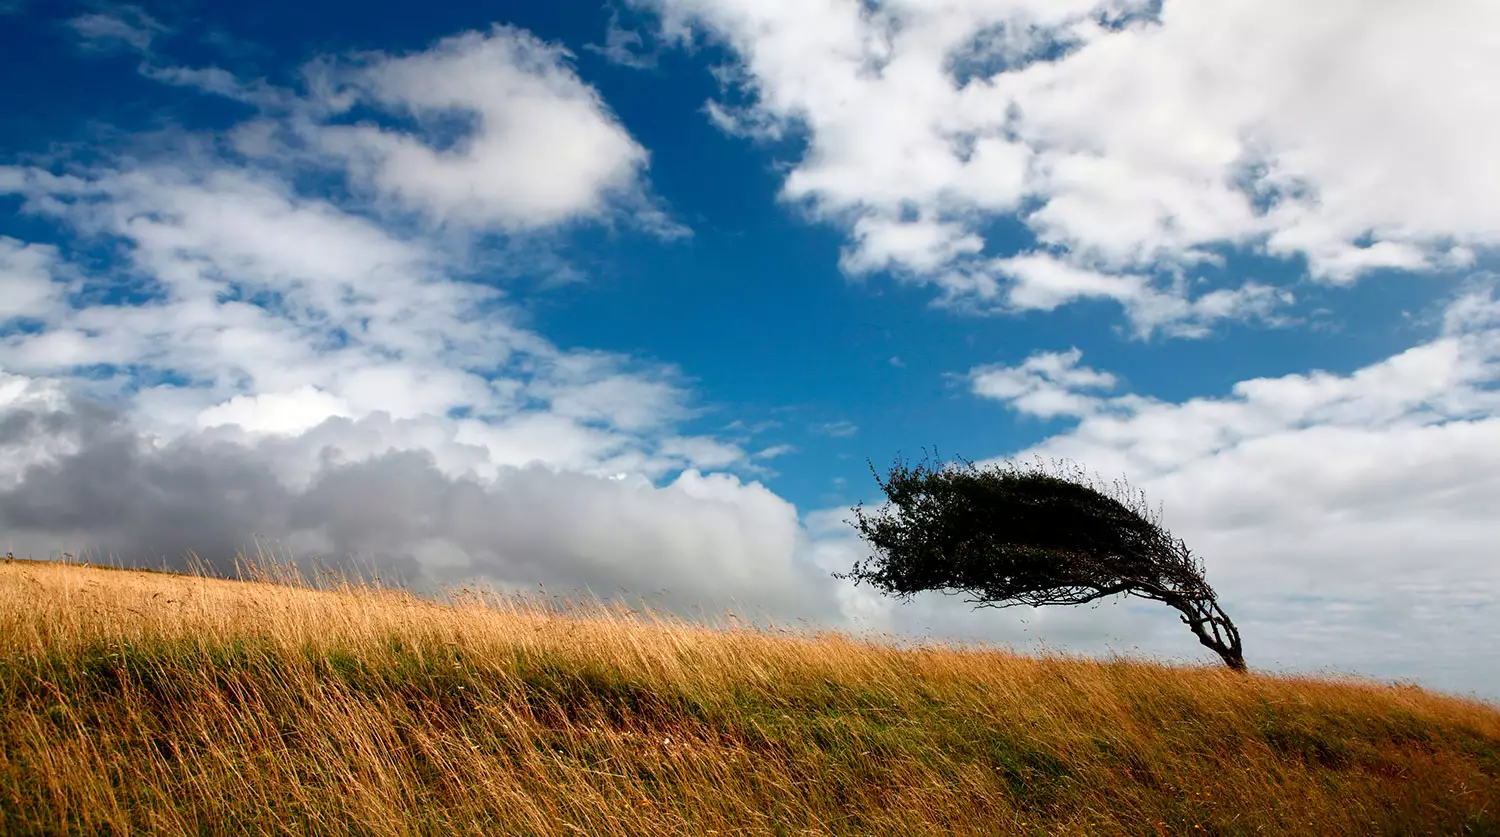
column 1006, row 535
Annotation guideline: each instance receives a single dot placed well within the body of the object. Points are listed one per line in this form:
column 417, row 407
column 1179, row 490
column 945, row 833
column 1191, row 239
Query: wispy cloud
column 625, row 47
column 774, row 452
column 124, row 25
column 841, row 429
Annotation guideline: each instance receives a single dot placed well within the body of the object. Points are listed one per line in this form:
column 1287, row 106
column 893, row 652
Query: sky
column 630, row 298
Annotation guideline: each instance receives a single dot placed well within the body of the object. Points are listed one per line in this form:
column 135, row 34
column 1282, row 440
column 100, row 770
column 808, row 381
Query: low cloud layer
column 700, row 541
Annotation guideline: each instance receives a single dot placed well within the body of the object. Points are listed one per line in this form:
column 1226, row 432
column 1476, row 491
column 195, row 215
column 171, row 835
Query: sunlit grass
column 155, row 703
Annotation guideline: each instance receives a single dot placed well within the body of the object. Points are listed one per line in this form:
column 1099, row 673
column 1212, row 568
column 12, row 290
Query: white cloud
column 746, row 122
column 508, row 136
column 704, row 452
column 283, row 310
column 1347, row 520
column 243, row 305
column 922, row 245
column 241, row 284
column 288, row 413
column 125, row 24
column 20, row 395
column 578, row 390
column 841, row 429
column 706, row 541
column 273, row 362
column 217, row 81
column 1044, row 282
column 1045, row 385
column 278, row 362
column 625, row 47
column 26, row 274
column 1133, row 141
column 774, row 451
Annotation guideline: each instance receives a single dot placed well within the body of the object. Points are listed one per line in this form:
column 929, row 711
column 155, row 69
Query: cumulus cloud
column 26, row 272
column 254, row 305
column 1346, row 519
column 239, row 300
column 1043, row 282
column 254, row 359
column 702, row 540
column 507, row 137
column 1134, row 139
column 287, row 413
column 1046, row 385
column 480, row 133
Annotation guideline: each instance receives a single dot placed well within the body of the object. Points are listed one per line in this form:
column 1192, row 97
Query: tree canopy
column 1008, row 535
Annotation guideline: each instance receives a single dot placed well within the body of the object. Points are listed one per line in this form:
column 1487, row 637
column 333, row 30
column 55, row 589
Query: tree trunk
column 1213, row 628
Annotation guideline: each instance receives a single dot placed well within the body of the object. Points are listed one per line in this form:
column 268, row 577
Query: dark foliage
column 1007, row 535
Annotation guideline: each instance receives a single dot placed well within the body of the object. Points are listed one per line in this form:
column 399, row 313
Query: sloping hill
column 152, row 703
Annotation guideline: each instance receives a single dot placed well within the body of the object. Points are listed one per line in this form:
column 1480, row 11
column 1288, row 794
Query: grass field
column 163, row 704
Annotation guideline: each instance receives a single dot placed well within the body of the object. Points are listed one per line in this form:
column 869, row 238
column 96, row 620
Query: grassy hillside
column 152, row 703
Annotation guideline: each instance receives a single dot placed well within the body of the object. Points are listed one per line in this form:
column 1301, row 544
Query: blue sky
column 651, row 281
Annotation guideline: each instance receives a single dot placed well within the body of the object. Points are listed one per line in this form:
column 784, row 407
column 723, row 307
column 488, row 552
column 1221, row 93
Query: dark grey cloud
column 702, row 542
column 116, row 496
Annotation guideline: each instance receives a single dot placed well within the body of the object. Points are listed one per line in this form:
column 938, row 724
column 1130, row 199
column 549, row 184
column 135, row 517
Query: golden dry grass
column 153, row 703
